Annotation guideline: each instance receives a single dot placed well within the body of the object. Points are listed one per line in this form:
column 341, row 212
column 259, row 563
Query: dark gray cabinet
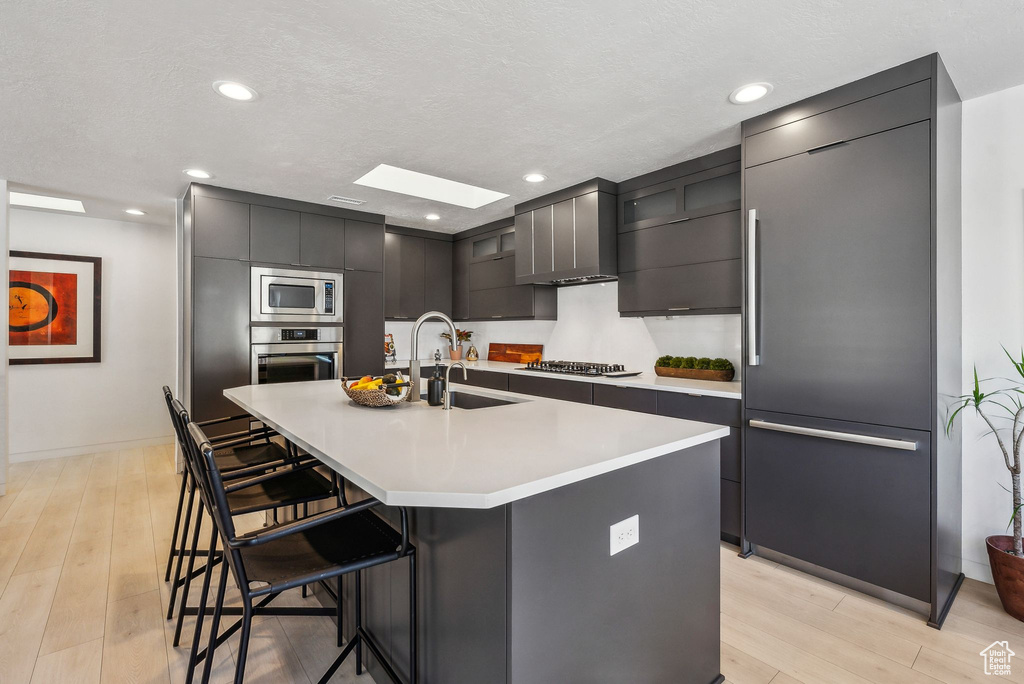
column 364, row 324
column 553, row 388
column 854, row 315
column 220, row 228
column 484, row 286
column 680, row 241
column 708, row 288
column 418, row 276
column 437, row 277
column 843, row 280
column 322, row 241
column 274, row 235
column 626, row 398
column 858, row 509
column 705, row 192
column 220, row 335
column 572, row 236
column 719, row 411
column 364, row 246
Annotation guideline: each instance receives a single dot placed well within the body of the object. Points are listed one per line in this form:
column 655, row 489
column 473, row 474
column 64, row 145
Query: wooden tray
column 514, row 353
column 695, row 374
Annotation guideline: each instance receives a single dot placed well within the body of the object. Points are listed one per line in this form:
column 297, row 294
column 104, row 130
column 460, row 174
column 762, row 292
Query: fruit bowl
column 376, row 396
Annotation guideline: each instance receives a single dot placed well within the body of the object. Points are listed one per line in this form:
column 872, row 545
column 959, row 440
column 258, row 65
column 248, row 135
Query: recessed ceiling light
column 535, row 178
column 235, row 91
column 135, row 212
column 750, row 93
column 198, row 173
column 432, row 217
column 406, row 182
column 23, row 199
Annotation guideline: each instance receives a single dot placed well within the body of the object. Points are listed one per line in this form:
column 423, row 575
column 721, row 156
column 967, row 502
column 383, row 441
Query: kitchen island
column 511, row 508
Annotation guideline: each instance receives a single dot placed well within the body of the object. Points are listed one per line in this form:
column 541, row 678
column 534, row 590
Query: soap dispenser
column 435, row 385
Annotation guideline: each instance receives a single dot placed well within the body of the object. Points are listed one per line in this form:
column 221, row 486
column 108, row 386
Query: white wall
column 63, row 409
column 589, row 329
column 993, row 303
column 3, row 342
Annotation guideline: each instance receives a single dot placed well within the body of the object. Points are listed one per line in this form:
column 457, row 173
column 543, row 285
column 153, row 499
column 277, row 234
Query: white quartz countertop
column 419, row 455
column 646, row 380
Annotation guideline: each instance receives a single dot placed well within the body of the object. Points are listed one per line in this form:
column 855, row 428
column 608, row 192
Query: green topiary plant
column 721, row 365
column 676, row 362
column 664, row 361
column 689, row 362
column 703, row 363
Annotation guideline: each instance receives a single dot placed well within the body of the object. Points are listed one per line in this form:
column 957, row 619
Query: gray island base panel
column 526, row 591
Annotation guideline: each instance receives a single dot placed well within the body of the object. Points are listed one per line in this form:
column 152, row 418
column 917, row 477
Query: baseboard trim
column 89, row 449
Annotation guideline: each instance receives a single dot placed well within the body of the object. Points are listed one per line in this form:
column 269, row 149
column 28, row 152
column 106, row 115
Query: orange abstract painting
column 43, row 308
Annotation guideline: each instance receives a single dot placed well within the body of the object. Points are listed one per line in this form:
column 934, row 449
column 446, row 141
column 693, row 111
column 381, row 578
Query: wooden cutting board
column 514, row 353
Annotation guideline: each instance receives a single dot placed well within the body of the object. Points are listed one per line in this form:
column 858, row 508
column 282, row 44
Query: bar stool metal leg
column 189, row 572
column 412, row 618
column 177, row 525
column 243, row 643
column 181, row 551
column 215, row 627
column 359, row 624
column 200, row 613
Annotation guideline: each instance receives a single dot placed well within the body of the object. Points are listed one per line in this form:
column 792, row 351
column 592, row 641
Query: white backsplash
column 589, row 329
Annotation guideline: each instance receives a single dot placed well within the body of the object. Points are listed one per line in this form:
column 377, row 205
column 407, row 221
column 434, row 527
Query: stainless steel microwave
column 288, row 296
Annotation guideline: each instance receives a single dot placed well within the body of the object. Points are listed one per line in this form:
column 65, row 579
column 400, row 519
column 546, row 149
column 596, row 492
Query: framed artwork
column 54, row 308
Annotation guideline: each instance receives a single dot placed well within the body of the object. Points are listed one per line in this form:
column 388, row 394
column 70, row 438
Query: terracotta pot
column 1008, row 573
column 455, row 353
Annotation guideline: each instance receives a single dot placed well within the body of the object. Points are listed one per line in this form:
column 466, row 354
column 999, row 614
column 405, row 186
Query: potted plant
column 694, row 368
column 1005, row 552
column 455, row 349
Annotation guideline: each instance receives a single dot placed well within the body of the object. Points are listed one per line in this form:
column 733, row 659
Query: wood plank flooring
column 82, row 599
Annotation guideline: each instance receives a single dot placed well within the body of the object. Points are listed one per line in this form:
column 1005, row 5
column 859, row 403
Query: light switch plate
column 625, row 534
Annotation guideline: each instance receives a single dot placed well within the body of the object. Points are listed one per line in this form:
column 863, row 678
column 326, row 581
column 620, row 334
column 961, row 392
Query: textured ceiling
column 109, row 101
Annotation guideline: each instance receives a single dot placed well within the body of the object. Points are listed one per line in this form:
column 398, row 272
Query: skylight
column 23, row 199
column 406, row 182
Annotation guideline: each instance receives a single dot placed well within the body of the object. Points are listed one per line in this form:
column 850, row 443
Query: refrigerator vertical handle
column 753, row 357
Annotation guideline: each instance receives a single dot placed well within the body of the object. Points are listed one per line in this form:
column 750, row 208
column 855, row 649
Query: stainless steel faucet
column 448, row 382
column 414, row 362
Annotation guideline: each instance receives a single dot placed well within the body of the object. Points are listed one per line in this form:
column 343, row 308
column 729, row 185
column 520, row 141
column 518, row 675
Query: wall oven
column 295, row 354
column 280, row 295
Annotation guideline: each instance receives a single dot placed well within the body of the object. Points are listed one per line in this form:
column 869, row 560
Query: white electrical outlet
column 625, row 534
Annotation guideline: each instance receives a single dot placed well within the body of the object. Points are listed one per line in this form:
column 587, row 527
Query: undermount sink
column 466, row 400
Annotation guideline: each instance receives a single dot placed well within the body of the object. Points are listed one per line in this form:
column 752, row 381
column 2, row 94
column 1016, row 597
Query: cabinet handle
column 495, row 316
column 679, row 308
column 679, row 220
column 902, row 444
column 349, row 269
column 754, row 359
column 497, row 258
column 825, row 146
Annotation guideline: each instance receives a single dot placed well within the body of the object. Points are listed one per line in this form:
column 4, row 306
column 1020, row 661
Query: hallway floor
column 83, row 541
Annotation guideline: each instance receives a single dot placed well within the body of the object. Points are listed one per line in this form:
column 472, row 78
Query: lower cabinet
column 627, row 398
column 553, row 388
column 721, row 411
column 863, row 510
column 486, row 379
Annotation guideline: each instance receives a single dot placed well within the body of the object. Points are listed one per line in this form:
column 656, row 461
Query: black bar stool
column 348, row 539
column 251, row 489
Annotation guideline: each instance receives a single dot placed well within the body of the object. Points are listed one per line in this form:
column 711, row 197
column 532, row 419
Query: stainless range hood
column 568, row 237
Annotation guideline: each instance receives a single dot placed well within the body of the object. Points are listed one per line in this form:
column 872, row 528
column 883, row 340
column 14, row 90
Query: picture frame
column 54, row 313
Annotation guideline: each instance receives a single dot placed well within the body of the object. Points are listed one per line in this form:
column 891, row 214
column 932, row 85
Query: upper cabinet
column 418, row 273
column 322, row 241
column 700, row 194
column 274, row 235
column 484, row 266
column 220, row 228
column 567, row 237
column 364, row 246
column 680, row 239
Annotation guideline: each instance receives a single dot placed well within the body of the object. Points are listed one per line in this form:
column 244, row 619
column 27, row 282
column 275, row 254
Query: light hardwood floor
column 83, row 541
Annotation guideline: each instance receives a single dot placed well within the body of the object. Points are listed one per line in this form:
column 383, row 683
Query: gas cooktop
column 607, row 370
